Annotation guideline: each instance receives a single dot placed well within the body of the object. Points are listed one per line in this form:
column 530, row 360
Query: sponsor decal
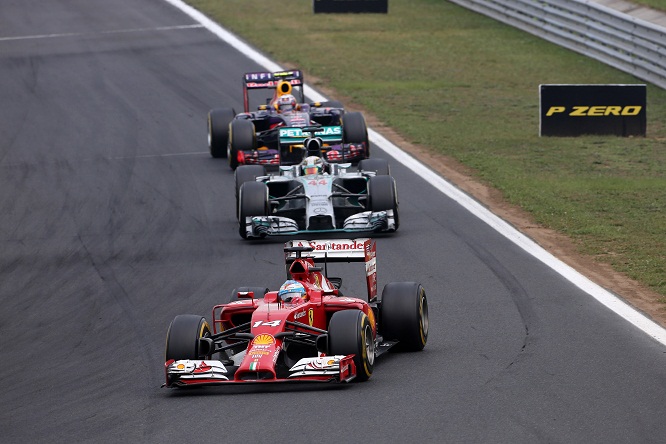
column 259, row 85
column 606, row 109
column 321, row 363
column 297, row 132
column 299, row 315
column 257, row 354
column 371, row 266
column 263, row 339
column 599, row 111
column 258, row 76
column 311, row 317
column 203, row 368
column 285, row 73
column 337, row 246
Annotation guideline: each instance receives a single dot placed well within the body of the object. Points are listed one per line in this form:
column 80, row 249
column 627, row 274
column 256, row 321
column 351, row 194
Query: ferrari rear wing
column 338, row 250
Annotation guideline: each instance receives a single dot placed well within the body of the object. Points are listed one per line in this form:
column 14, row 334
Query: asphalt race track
column 114, row 219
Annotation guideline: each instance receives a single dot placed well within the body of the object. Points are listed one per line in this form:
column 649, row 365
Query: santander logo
column 337, row 246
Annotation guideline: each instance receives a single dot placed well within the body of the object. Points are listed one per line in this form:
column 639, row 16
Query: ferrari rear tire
column 350, row 333
column 183, row 336
column 403, row 315
column 383, row 196
column 242, row 137
column 218, row 130
column 252, row 201
column 354, row 130
column 379, row 166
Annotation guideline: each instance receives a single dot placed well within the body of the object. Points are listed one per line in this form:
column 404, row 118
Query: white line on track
column 602, row 295
column 114, row 31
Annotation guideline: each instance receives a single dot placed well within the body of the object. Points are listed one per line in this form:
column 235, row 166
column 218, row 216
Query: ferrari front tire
column 403, row 315
column 350, row 333
column 183, row 337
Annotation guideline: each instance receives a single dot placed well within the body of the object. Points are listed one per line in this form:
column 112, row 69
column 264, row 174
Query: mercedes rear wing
column 338, row 250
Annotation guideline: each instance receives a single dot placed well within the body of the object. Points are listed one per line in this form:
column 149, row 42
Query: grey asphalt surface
column 114, row 219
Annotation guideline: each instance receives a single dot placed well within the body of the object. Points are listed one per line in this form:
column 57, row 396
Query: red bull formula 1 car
column 271, row 133
column 306, row 331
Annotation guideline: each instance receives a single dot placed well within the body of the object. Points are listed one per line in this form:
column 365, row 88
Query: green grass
column 463, row 85
column 656, row 4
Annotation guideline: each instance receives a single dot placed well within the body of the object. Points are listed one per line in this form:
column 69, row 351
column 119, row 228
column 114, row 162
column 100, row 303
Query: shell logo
column 264, row 339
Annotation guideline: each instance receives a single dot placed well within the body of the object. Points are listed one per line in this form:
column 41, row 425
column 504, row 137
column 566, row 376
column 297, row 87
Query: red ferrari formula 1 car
column 306, row 331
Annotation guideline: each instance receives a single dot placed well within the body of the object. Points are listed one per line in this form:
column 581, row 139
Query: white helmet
column 291, row 289
column 286, row 103
column 312, row 165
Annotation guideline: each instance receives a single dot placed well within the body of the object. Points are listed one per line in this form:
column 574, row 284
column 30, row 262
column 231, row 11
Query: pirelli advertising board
column 345, row 6
column 576, row 110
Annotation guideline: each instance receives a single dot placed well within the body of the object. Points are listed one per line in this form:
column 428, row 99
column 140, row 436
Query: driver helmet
column 291, row 291
column 286, row 103
column 312, row 165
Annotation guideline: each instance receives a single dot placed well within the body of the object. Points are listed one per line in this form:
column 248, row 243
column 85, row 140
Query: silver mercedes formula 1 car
column 316, row 196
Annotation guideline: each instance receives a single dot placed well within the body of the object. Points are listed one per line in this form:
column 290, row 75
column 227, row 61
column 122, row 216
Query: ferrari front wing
column 184, row 373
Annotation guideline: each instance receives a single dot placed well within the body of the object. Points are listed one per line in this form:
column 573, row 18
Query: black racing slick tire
column 182, row 340
column 383, row 196
column 218, row 131
column 379, row 166
column 403, row 315
column 252, row 201
column 354, row 130
column 242, row 137
column 247, row 173
column 350, row 333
